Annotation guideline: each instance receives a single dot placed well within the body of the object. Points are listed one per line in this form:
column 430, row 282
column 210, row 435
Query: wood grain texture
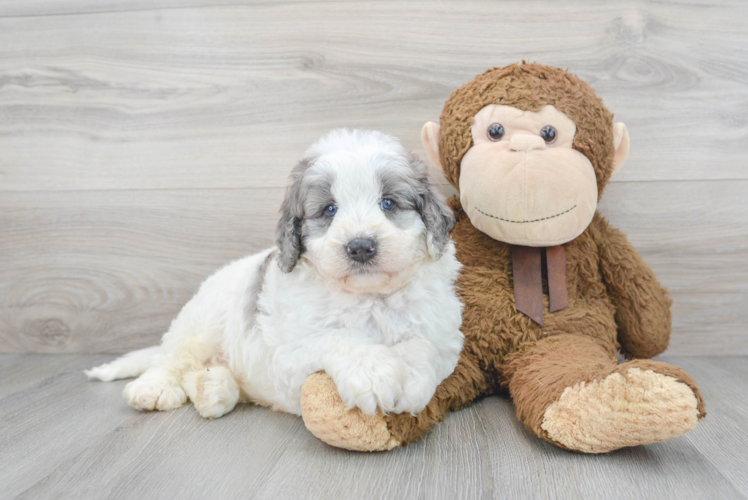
column 11, row 8
column 17, row 373
column 104, row 271
column 694, row 235
column 101, row 271
column 231, row 96
column 145, row 144
column 65, row 437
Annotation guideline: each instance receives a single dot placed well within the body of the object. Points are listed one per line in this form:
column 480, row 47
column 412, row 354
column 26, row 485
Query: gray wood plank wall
column 145, row 143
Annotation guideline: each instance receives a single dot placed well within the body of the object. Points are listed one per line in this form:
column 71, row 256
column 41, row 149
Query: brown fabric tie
column 528, row 280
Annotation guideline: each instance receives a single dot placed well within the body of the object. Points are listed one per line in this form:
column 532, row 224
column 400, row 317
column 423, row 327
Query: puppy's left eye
column 331, row 210
column 387, row 204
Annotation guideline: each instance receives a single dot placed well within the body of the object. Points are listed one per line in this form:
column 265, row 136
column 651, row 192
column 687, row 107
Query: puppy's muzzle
column 361, row 249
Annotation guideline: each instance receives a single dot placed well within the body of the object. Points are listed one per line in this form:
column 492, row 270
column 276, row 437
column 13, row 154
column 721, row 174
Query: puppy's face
column 362, row 212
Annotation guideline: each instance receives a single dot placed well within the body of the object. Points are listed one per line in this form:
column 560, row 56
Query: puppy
column 360, row 285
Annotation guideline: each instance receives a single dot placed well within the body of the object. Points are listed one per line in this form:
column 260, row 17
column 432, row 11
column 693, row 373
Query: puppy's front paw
column 417, row 393
column 213, row 391
column 371, row 381
column 369, row 391
column 149, row 394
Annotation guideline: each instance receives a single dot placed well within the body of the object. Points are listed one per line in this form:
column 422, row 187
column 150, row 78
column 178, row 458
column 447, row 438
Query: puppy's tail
column 130, row 365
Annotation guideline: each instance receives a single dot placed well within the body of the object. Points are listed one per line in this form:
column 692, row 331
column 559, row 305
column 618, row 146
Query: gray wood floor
column 62, row 436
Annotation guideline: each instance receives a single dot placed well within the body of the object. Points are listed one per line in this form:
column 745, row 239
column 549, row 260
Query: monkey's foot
column 630, row 407
column 326, row 417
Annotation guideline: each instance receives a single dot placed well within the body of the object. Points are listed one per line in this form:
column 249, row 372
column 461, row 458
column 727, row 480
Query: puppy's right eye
column 331, row 210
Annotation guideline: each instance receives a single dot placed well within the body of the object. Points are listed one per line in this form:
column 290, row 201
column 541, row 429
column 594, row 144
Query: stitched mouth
column 526, row 221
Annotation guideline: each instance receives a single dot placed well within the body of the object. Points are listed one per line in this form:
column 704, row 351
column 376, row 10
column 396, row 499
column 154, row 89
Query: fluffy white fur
column 387, row 333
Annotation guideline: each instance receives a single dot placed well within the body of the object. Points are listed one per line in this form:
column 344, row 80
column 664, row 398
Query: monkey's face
column 522, row 182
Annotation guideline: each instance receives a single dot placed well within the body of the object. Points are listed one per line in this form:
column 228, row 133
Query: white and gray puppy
column 360, row 285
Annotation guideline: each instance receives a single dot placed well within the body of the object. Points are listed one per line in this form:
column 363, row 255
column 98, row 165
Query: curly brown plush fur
column 528, row 87
column 564, row 377
column 615, row 303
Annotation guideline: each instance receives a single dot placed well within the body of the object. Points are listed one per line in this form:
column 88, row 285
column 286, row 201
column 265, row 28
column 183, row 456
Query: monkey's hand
column 642, row 304
column 328, row 418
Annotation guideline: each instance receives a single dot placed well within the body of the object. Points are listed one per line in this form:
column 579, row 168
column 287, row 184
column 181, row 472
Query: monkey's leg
column 570, row 391
column 326, row 416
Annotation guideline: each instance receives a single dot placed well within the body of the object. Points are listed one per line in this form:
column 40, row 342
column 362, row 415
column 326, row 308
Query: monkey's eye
column 387, row 204
column 548, row 133
column 331, row 210
column 495, row 131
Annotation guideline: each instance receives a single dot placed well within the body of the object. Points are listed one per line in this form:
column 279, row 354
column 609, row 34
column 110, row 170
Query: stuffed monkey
column 551, row 291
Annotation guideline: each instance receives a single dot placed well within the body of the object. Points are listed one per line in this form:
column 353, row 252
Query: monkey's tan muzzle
column 532, row 195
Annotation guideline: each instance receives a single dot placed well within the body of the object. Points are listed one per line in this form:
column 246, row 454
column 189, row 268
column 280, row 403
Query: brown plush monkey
column 530, row 149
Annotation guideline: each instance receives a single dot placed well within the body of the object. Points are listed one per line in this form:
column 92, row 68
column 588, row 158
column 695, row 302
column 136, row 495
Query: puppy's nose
column 361, row 249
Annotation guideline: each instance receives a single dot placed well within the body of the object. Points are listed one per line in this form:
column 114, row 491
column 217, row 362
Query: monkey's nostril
column 361, row 249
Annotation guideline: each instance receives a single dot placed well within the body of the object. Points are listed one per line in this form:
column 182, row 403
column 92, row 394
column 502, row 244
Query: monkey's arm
column 642, row 304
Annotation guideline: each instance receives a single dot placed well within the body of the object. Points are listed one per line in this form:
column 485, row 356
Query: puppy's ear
column 436, row 214
column 288, row 232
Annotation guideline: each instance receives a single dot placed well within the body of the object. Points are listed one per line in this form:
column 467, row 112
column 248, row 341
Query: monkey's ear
column 430, row 141
column 621, row 145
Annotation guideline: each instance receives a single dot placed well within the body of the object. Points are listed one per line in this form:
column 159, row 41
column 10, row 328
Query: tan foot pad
column 640, row 407
column 326, row 417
